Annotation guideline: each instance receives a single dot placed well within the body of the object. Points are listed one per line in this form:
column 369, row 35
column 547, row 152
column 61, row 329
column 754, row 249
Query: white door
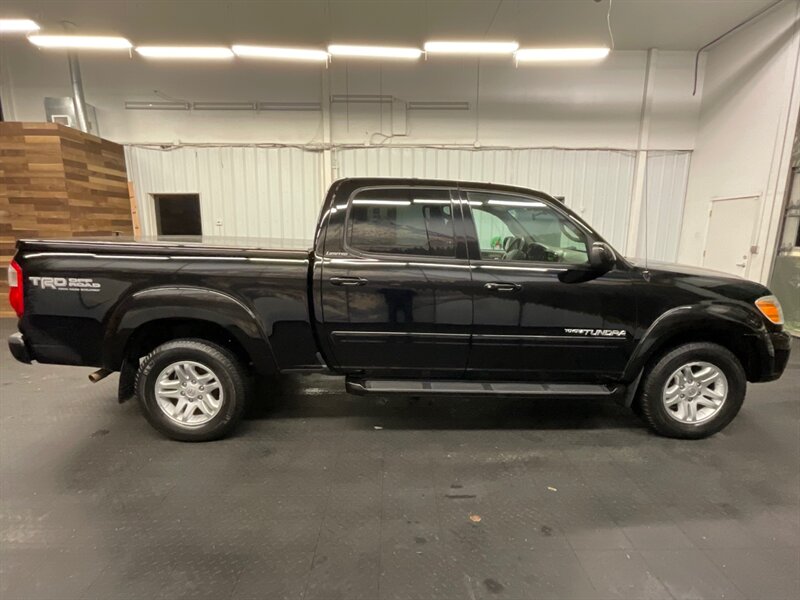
column 731, row 227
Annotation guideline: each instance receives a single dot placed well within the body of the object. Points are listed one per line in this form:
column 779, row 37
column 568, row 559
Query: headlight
column 770, row 307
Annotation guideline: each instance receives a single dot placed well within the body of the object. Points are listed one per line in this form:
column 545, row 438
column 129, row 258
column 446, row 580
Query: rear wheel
column 693, row 391
column 192, row 390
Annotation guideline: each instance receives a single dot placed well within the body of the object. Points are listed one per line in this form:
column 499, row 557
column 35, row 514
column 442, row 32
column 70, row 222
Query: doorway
column 730, row 236
column 178, row 214
column 785, row 279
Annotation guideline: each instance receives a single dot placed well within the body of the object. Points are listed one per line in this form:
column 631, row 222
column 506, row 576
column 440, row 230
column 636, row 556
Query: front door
column 396, row 290
column 528, row 323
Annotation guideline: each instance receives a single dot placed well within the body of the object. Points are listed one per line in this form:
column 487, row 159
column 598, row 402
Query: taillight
column 15, row 295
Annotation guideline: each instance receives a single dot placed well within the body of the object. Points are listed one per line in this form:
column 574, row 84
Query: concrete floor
column 325, row 495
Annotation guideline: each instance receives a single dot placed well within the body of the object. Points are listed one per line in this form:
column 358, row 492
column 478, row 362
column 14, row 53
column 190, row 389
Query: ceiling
column 636, row 24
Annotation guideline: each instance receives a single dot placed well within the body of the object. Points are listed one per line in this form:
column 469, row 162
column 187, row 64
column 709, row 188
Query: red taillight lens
column 15, row 295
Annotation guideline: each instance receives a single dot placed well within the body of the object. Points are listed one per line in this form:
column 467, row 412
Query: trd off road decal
column 606, row 333
column 65, row 284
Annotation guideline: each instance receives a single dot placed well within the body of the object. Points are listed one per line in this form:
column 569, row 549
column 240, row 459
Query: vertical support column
column 638, row 193
column 780, row 175
column 328, row 166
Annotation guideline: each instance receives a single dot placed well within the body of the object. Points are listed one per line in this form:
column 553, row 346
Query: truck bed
column 82, row 294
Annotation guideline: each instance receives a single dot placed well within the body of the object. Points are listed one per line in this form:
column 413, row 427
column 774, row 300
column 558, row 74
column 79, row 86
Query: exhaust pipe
column 99, row 374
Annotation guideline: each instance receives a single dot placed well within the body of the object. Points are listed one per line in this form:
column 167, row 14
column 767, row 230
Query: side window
column 402, row 221
column 531, row 230
column 492, row 232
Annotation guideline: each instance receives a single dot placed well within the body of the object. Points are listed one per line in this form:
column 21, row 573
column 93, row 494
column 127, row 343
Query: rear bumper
column 16, row 344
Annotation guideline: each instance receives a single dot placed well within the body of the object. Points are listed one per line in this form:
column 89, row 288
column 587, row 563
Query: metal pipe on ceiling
column 76, row 83
column 719, row 38
column 78, row 100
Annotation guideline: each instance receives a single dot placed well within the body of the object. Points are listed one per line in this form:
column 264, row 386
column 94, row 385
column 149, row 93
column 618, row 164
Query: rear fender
column 186, row 303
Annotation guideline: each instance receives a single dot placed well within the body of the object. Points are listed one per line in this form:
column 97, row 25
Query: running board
column 415, row 387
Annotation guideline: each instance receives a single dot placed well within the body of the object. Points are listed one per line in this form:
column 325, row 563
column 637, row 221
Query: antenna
column 644, row 208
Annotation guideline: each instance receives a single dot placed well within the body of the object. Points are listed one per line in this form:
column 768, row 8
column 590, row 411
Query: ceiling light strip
column 83, row 42
column 18, row 26
column 276, row 53
column 144, row 105
column 433, row 105
column 374, row 51
column 559, row 54
column 470, row 47
column 185, row 52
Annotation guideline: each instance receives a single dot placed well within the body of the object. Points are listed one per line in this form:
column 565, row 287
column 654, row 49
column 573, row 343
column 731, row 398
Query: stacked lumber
column 58, row 182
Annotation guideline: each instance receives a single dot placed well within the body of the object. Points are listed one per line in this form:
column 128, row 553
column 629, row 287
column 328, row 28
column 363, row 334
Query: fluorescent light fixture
column 280, row 53
column 374, row 51
column 443, row 47
column 515, row 203
column 212, row 52
column 383, row 202
column 559, row 54
column 223, row 106
column 17, row 26
column 289, row 106
column 145, row 105
column 84, row 42
column 436, row 105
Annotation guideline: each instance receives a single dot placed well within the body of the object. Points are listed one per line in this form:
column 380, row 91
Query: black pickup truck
column 411, row 287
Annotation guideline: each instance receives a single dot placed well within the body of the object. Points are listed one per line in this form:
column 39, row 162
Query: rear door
column 528, row 323
column 395, row 284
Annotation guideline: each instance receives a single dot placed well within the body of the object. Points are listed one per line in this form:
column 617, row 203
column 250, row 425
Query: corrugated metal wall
column 595, row 183
column 277, row 192
column 667, row 176
column 244, row 191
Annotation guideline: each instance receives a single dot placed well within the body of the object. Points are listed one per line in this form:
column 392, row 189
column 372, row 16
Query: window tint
column 531, row 230
column 402, row 221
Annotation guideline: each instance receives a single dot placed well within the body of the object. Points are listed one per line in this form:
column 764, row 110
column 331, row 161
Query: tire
column 667, row 382
column 198, row 414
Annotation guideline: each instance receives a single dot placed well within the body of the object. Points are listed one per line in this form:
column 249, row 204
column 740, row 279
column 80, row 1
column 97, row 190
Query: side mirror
column 602, row 257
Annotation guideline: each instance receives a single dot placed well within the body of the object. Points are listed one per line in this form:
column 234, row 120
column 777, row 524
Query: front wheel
column 192, row 390
column 693, row 391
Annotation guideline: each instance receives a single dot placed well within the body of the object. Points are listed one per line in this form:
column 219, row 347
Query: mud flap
column 127, row 381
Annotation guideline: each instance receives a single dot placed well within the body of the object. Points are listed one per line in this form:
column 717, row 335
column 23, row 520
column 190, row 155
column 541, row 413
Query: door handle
column 496, row 286
column 348, row 281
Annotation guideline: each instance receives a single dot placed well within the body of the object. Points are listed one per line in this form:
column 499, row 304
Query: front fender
column 711, row 317
column 184, row 302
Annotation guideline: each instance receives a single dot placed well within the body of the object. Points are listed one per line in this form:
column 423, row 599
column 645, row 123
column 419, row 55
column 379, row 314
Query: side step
column 415, row 387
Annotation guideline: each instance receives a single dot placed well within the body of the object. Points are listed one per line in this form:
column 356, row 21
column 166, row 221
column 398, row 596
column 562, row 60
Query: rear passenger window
column 402, row 221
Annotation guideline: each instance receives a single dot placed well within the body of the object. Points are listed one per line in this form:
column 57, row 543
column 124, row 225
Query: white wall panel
column 244, row 191
column 662, row 210
column 595, row 183
column 277, row 192
column 751, row 102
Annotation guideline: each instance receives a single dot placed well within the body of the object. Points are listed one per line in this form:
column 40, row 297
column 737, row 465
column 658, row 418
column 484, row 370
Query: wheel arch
column 731, row 327
column 153, row 316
